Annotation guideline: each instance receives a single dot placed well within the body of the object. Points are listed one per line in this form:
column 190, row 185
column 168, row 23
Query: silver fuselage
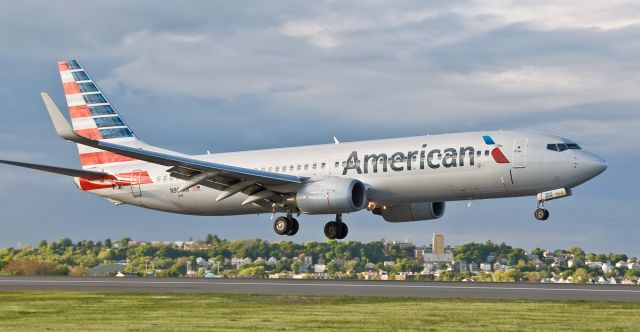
column 405, row 170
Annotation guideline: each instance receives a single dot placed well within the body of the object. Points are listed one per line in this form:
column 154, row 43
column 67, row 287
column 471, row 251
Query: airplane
column 401, row 179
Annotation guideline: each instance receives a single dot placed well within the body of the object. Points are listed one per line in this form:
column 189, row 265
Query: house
column 473, row 267
column 485, row 267
column 461, row 266
column 320, row 268
column 606, row 268
column 633, row 266
column 389, row 263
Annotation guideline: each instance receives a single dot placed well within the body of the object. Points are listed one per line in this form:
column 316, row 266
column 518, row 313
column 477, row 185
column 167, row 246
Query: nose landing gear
column 541, row 213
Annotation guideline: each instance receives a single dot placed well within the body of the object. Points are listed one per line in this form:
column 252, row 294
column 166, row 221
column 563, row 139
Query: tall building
column 438, row 243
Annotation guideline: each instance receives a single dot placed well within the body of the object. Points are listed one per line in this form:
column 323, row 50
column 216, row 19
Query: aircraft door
column 520, row 153
column 136, row 191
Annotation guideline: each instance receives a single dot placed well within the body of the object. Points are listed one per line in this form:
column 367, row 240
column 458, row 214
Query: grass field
column 126, row 311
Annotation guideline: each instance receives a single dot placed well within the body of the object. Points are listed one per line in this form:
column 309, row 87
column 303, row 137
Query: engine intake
column 331, row 195
column 411, row 212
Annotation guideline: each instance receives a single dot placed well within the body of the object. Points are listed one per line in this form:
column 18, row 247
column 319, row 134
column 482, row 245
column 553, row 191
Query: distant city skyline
column 225, row 76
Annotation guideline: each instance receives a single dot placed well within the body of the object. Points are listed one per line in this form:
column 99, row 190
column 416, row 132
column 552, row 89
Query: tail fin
column 93, row 116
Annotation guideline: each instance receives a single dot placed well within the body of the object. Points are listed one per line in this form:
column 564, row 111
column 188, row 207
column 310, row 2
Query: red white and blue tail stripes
column 92, row 115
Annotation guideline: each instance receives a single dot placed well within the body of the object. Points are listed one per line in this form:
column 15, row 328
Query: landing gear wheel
column 344, row 230
column 282, row 225
column 332, row 230
column 542, row 214
column 294, row 227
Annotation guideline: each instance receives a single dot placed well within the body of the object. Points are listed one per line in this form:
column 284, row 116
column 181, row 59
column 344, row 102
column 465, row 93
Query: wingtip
column 60, row 124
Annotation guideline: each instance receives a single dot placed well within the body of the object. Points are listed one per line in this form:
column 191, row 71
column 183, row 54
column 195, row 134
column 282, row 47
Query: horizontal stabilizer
column 89, row 175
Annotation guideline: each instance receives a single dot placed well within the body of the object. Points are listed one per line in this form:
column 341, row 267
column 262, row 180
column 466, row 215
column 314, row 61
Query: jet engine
column 411, row 212
column 331, row 195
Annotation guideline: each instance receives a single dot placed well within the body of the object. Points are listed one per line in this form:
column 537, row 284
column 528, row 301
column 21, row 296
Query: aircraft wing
column 192, row 170
column 89, row 175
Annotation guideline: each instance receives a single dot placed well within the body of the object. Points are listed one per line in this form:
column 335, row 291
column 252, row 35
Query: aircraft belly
column 195, row 201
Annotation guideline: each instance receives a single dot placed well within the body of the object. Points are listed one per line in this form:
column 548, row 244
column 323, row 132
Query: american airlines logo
column 434, row 159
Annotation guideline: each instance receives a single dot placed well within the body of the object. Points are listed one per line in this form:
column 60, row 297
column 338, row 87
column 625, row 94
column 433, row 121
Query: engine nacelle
column 411, row 212
column 331, row 195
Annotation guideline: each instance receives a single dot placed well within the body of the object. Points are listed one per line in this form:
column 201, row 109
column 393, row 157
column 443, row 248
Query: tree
column 581, row 276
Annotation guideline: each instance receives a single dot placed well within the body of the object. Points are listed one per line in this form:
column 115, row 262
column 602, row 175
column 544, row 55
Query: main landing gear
column 541, row 213
column 336, row 229
column 286, row 225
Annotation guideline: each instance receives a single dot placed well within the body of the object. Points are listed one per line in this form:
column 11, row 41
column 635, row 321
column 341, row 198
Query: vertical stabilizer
column 93, row 116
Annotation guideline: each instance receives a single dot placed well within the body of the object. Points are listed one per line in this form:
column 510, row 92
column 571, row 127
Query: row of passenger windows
column 337, row 164
column 563, row 146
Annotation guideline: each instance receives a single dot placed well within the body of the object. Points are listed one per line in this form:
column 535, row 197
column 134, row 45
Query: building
column 485, row 267
column 438, row 253
column 438, row 244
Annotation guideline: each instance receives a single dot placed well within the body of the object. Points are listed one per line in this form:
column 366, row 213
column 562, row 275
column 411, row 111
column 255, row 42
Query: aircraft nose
column 593, row 165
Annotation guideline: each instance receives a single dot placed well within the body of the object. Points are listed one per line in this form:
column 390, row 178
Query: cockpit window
column 559, row 147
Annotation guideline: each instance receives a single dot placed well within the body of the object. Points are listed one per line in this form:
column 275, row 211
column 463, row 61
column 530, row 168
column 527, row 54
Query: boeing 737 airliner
column 403, row 179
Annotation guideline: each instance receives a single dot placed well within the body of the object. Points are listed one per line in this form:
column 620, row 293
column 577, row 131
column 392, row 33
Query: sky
column 229, row 76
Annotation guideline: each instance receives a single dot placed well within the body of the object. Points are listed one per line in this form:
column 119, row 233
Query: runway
column 529, row 291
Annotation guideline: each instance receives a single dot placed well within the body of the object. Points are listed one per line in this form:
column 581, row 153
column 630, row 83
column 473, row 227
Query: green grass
column 82, row 311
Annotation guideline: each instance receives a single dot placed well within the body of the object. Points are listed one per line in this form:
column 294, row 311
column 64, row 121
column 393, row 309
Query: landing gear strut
column 336, row 229
column 541, row 213
column 286, row 225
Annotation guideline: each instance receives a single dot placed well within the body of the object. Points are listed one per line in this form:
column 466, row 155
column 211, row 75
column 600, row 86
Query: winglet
column 59, row 122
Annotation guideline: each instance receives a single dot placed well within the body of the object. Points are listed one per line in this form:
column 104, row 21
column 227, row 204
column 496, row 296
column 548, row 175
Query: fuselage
column 445, row 167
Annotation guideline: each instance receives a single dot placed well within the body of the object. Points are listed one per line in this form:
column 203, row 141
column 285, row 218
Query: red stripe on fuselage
column 117, row 180
column 103, row 157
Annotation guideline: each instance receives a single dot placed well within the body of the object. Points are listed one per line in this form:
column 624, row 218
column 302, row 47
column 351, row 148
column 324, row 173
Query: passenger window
column 299, row 167
column 337, row 164
column 159, row 179
column 291, row 167
column 486, row 153
column 164, row 178
column 479, row 153
column 344, row 164
column 270, row 168
column 277, row 168
column 315, row 166
column 306, row 167
column 323, row 165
